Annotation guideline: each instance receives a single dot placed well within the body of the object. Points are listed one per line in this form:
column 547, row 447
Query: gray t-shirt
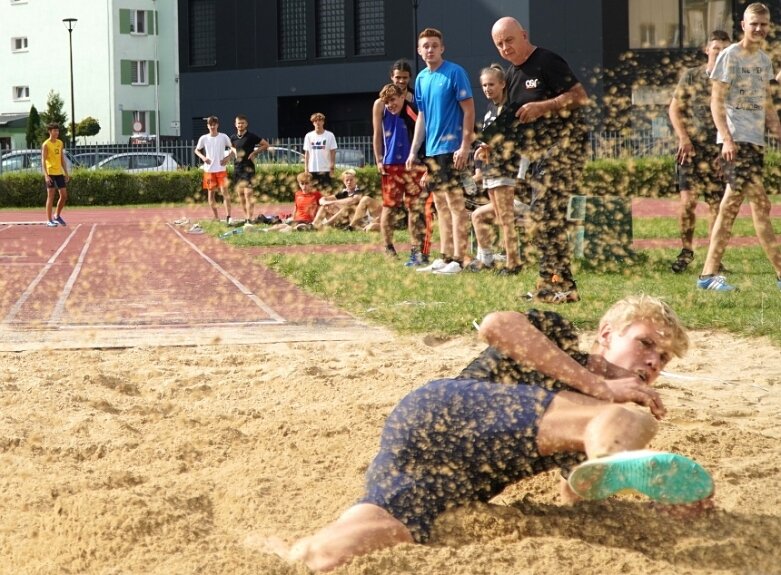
column 748, row 75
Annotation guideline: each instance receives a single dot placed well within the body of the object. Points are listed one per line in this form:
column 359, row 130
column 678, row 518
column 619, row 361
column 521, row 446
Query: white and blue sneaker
column 778, row 282
column 415, row 259
column 715, row 283
column 437, row 264
column 668, row 478
column 52, row 223
column 60, row 221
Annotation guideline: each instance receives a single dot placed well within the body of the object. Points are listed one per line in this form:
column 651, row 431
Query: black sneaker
column 390, row 251
column 509, row 271
column 682, row 261
column 477, row 266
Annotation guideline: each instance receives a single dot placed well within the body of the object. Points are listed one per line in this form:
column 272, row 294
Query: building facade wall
column 98, row 48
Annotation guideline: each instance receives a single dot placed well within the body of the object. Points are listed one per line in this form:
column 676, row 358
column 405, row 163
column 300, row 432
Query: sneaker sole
column 668, row 478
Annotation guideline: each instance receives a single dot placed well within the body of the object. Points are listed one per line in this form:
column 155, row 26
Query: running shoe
column 509, row 271
column 52, row 223
column 668, row 478
column 476, row 266
column 682, row 261
column 195, row 229
column 715, row 283
column 415, row 259
column 60, row 221
column 449, row 269
column 437, row 264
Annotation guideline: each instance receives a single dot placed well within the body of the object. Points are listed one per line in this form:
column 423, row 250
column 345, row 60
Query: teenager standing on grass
column 245, row 146
column 55, row 175
column 743, row 111
column 393, row 120
column 529, row 403
column 446, row 120
column 320, row 153
column 698, row 158
column 215, row 150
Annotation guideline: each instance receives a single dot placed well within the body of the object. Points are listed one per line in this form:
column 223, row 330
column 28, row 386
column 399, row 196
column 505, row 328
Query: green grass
column 668, row 227
column 381, row 290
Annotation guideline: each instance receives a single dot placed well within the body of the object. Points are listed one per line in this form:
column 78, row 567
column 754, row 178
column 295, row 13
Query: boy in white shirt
column 320, row 153
column 215, row 150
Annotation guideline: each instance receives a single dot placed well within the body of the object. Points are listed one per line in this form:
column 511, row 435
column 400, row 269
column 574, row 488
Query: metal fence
column 645, row 143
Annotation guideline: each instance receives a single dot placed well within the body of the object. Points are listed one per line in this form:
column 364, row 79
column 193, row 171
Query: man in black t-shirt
column 549, row 104
column 245, row 146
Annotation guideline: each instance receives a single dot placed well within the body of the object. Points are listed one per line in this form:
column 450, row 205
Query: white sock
column 485, row 256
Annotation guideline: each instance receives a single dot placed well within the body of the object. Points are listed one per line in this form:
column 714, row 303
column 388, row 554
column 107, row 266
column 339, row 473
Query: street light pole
column 69, row 22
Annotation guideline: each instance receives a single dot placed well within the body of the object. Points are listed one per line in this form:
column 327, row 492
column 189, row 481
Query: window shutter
column 127, row 122
column 124, row 21
column 125, row 72
column 151, row 72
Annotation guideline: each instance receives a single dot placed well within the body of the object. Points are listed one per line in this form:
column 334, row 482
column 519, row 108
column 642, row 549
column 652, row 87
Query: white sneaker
column 437, row 264
column 449, row 269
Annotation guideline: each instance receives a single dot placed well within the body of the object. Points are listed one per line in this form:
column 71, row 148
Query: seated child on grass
column 306, row 201
column 337, row 209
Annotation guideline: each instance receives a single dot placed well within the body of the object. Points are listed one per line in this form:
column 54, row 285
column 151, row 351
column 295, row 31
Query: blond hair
column 304, row 178
column 643, row 307
column 317, row 116
column 756, row 8
column 348, row 172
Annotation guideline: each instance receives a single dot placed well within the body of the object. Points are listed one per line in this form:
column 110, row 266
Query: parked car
column 277, row 155
column 138, row 162
column 89, row 159
column 350, row 158
column 345, row 157
column 30, row 160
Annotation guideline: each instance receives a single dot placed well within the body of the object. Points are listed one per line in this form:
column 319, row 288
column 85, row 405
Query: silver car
column 30, row 160
column 134, row 162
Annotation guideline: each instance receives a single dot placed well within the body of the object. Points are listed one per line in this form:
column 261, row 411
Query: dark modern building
column 280, row 60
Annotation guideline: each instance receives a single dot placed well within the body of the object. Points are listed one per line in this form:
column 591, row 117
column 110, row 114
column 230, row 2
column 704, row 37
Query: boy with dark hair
column 698, row 159
column 55, row 175
column 245, row 146
column 215, row 150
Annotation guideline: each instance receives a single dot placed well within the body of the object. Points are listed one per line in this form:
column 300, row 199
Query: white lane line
column 12, row 313
column 255, row 299
column 59, row 307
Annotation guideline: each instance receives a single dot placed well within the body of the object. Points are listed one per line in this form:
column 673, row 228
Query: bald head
column 511, row 40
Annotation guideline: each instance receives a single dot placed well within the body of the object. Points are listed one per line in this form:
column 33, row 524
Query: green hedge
column 641, row 177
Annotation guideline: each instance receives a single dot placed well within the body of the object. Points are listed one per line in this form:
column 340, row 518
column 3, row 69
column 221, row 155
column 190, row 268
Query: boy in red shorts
column 215, row 149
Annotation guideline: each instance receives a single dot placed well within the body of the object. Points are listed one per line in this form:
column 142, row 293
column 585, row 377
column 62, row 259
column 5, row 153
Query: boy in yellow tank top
column 55, row 174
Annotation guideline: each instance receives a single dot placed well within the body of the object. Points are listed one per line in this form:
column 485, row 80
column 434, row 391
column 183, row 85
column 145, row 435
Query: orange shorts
column 400, row 184
column 212, row 180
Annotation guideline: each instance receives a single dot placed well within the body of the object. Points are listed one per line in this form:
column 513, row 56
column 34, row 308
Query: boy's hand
column 632, row 389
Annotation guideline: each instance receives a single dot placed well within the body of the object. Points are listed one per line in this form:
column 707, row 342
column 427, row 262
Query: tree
column 55, row 113
column 89, row 126
column 32, row 136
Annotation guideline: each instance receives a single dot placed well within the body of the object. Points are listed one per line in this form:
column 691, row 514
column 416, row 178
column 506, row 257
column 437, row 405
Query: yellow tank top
column 52, row 155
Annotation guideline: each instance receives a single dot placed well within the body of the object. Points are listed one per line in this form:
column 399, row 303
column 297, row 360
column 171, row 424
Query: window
column 138, row 72
column 292, row 29
column 21, row 92
column 19, row 44
column 203, row 34
column 659, row 25
column 138, row 21
column 329, row 16
column 369, row 28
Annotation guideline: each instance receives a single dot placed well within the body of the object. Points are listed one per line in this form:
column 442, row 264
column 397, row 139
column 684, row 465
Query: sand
column 163, row 460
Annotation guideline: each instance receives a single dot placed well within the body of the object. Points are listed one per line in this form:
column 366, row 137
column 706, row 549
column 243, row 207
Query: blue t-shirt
column 438, row 94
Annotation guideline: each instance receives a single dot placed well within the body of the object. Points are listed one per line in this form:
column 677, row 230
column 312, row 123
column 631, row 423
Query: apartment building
column 125, row 65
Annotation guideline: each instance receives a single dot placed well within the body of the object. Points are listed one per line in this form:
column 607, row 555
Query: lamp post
column 69, row 22
column 415, row 4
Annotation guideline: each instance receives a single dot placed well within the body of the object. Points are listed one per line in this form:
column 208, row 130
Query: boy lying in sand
column 528, row 403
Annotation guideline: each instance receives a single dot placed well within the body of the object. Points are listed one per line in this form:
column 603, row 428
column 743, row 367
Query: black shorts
column 321, row 181
column 57, row 181
column 703, row 173
column 748, row 166
column 243, row 173
column 442, row 173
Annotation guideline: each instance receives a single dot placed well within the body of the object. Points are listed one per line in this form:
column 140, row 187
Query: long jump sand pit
column 162, row 460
